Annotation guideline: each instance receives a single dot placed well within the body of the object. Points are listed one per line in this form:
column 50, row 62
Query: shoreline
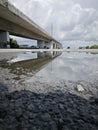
column 41, row 50
column 18, row 83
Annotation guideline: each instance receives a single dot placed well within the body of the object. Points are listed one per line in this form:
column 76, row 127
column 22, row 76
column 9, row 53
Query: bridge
column 14, row 22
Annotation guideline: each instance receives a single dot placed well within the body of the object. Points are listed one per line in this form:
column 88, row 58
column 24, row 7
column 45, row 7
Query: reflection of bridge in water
column 32, row 66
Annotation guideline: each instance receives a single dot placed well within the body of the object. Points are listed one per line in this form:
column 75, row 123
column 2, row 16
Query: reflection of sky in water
column 69, row 66
column 24, row 56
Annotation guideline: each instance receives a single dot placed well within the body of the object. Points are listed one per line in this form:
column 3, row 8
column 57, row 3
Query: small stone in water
column 80, row 88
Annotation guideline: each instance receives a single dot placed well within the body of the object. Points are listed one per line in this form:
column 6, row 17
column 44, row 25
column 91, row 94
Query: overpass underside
column 14, row 22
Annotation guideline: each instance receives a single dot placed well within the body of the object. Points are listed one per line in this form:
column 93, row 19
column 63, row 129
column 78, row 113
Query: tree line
column 92, row 47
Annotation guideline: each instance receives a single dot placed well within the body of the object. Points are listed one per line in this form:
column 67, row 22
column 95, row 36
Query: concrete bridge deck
column 16, row 23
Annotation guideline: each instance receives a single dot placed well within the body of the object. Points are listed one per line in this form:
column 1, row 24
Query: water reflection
column 44, row 67
column 30, row 63
column 69, row 66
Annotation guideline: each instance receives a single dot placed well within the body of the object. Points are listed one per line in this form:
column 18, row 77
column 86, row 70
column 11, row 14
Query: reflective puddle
column 48, row 68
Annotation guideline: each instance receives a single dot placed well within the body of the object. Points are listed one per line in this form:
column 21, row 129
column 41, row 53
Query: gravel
column 56, row 110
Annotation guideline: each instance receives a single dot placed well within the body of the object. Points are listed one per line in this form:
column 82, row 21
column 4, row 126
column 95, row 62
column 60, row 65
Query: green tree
column 87, row 47
column 94, row 47
column 13, row 43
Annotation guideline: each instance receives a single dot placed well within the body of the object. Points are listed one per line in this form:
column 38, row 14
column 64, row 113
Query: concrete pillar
column 4, row 39
column 44, row 45
column 40, row 44
column 53, row 45
column 56, row 45
column 49, row 45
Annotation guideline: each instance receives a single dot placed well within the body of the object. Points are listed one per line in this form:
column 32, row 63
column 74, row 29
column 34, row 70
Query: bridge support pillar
column 54, row 45
column 44, row 45
column 48, row 45
column 4, row 39
column 40, row 44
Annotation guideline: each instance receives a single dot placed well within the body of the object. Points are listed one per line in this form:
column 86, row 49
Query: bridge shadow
column 56, row 110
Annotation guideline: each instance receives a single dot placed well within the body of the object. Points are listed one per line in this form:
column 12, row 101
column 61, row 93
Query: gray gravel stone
column 57, row 110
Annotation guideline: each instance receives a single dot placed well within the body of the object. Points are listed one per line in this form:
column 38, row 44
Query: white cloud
column 71, row 19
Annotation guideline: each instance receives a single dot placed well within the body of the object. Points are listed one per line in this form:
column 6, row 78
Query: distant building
column 25, row 46
column 82, row 47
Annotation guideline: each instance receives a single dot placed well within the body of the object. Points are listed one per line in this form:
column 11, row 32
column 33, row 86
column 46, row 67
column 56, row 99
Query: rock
column 96, row 101
column 45, row 117
column 60, row 124
column 30, row 107
column 18, row 112
column 53, row 125
column 61, row 106
column 80, row 88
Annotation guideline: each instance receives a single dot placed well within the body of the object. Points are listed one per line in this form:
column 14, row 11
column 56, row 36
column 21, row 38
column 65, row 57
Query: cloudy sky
column 74, row 21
